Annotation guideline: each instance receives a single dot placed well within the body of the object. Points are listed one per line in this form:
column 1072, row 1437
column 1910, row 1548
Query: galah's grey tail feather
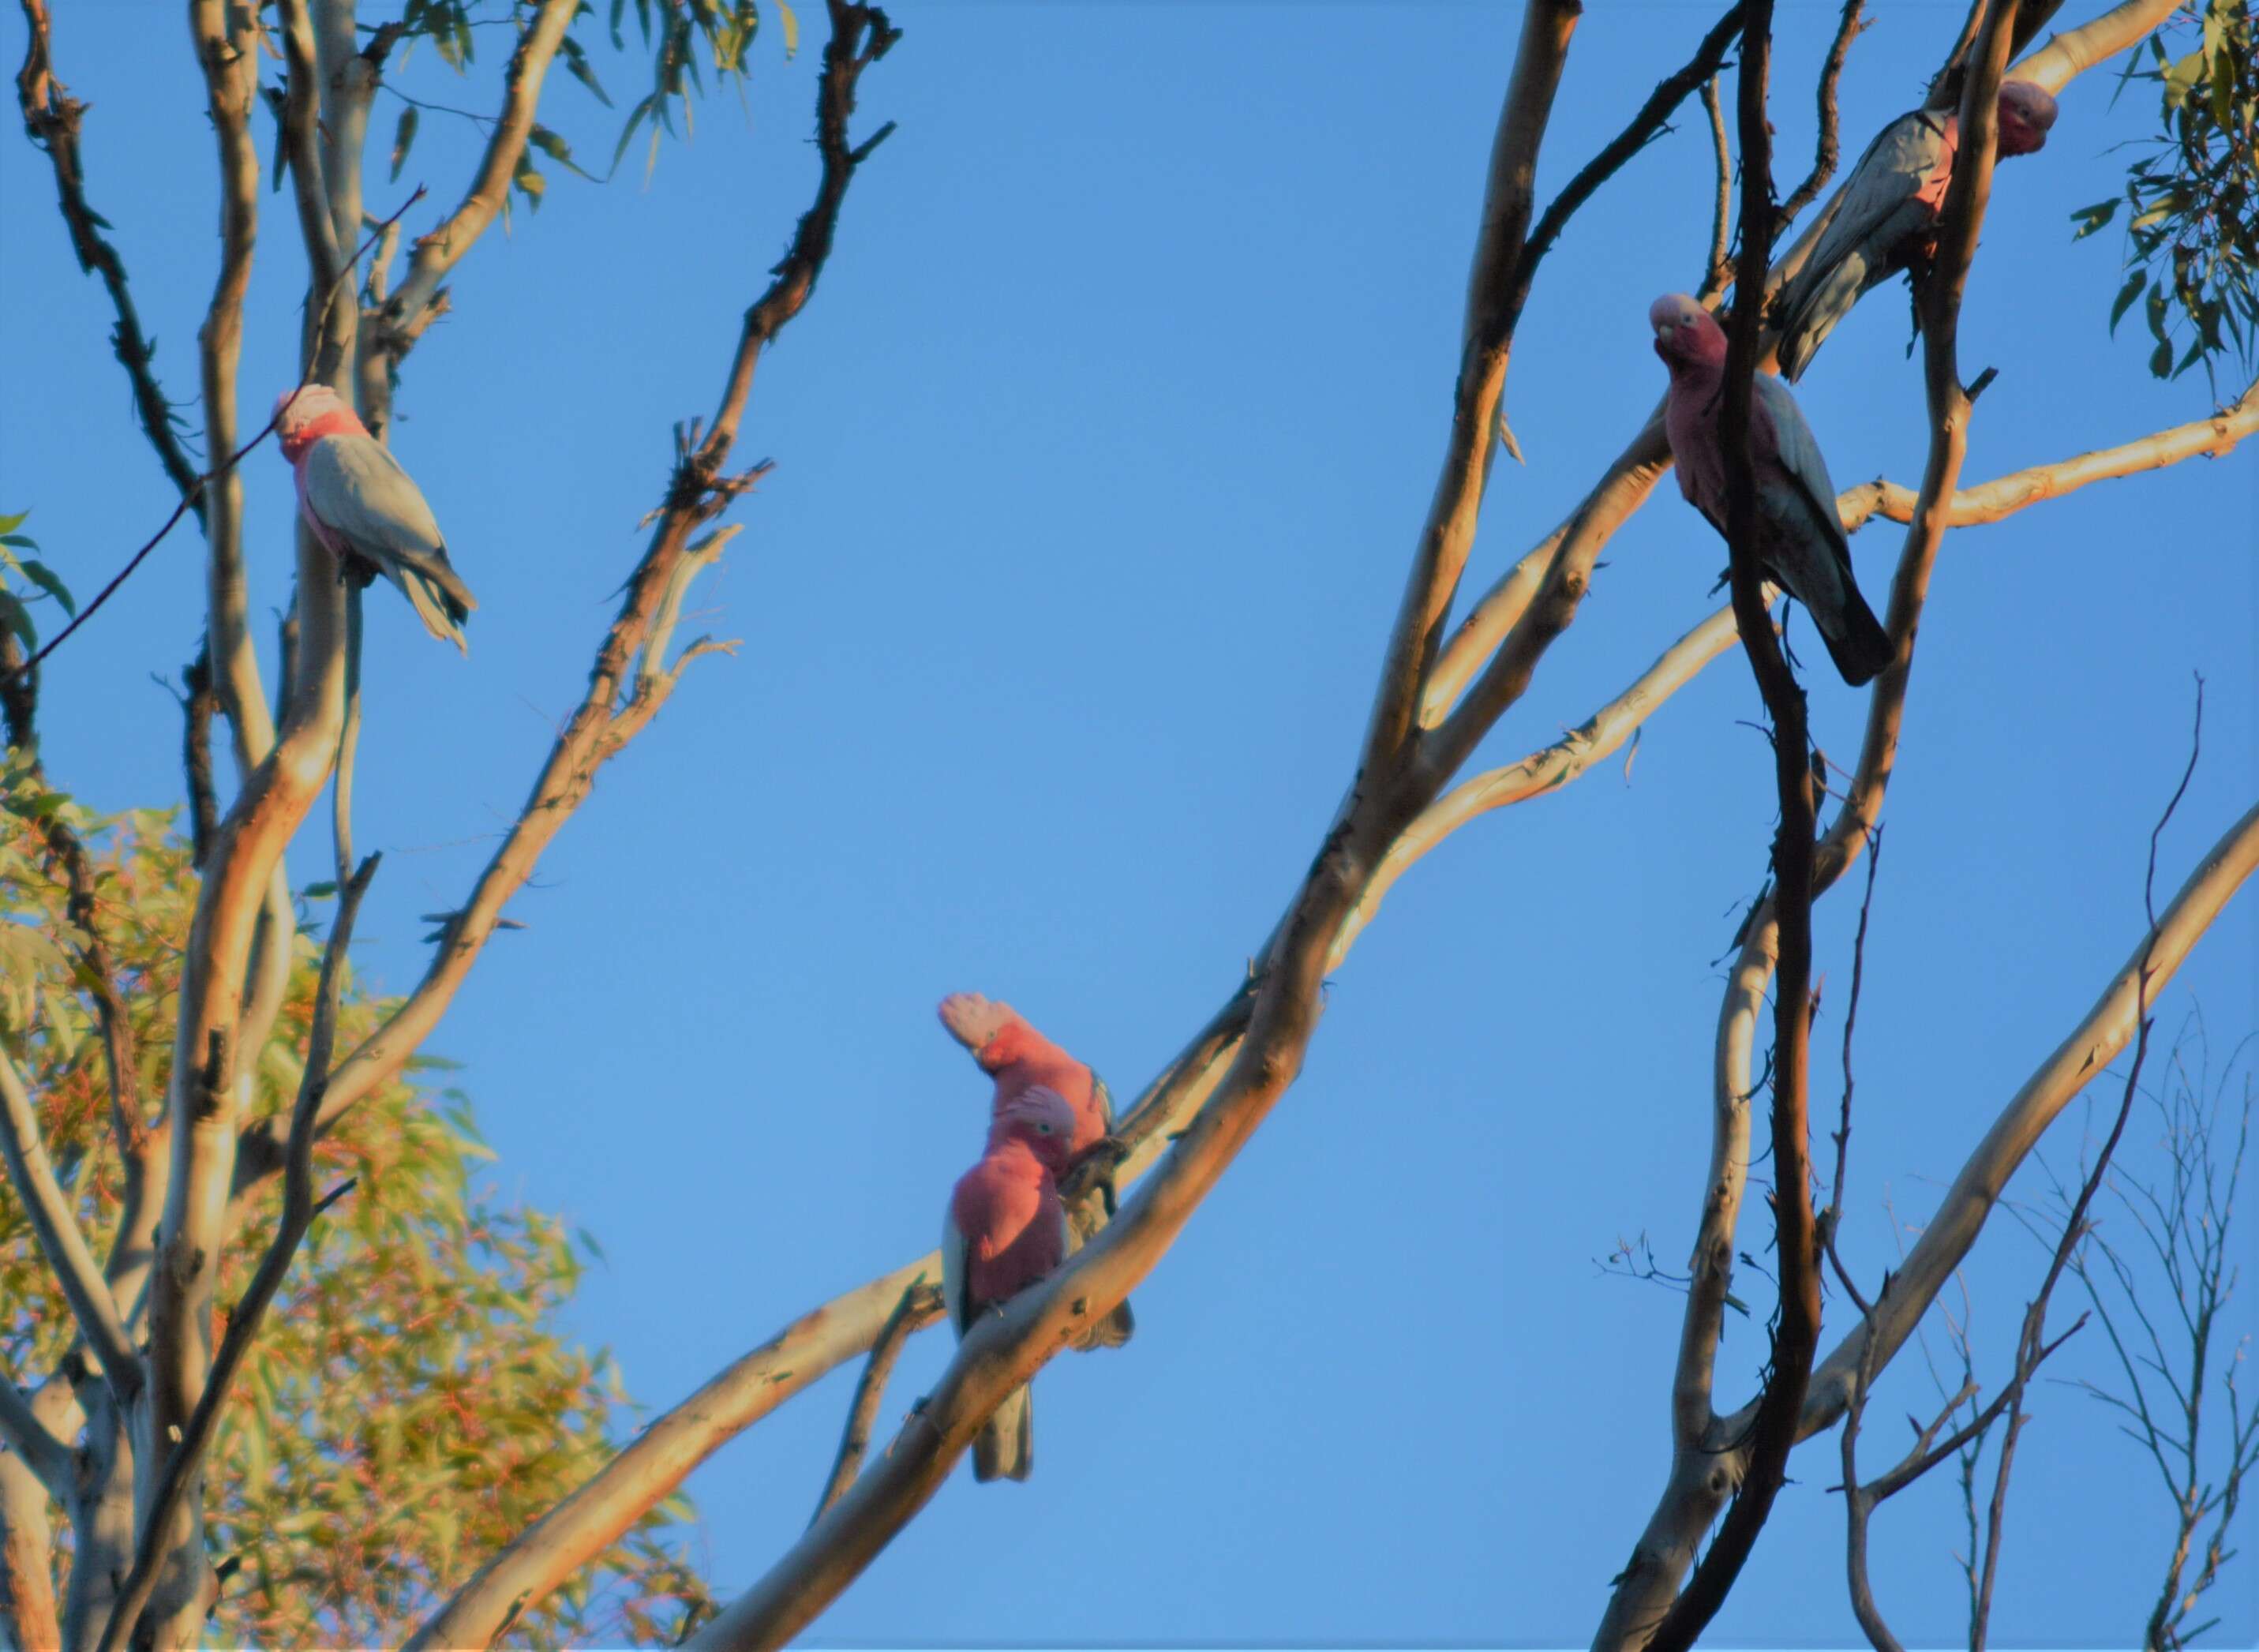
column 436, row 595
column 1005, row 1448
column 1856, row 639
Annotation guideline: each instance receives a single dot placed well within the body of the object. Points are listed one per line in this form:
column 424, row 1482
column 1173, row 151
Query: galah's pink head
column 2027, row 111
column 1686, row 334
column 1041, row 1120
column 303, row 416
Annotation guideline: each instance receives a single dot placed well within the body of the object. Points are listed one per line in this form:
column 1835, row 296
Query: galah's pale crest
column 1019, row 1058
column 364, row 509
column 1800, row 543
column 1004, row 1230
column 1887, row 217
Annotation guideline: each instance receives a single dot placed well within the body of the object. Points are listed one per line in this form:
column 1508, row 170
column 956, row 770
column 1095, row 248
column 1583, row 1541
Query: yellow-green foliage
column 409, row 1406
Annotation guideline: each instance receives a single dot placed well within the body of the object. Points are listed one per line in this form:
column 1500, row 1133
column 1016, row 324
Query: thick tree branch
column 299, row 1208
column 27, row 1590
column 31, row 1440
column 55, row 1226
column 419, row 300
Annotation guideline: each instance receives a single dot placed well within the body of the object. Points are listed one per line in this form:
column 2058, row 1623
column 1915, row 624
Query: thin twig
column 1828, row 149
column 920, row 1307
column 1718, row 268
column 2074, row 1227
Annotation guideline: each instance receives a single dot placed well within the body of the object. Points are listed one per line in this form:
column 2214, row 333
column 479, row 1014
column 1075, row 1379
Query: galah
column 366, row 511
column 1800, row 543
column 1019, row 1058
column 1004, row 1230
column 1888, row 216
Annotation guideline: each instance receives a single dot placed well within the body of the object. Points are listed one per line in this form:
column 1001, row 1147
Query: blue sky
column 1099, row 455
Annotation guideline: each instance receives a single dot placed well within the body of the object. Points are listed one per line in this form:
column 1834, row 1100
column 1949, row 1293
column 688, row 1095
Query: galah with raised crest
column 1004, row 1230
column 1800, row 543
column 1006, row 1046
column 1887, row 220
column 366, row 511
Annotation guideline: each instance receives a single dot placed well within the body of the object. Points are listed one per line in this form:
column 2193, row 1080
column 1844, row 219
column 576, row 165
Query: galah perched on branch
column 1005, row 1230
column 364, row 509
column 1019, row 1058
column 1800, row 542
column 1889, row 214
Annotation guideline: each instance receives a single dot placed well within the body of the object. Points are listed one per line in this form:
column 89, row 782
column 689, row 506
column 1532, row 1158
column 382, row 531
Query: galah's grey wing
column 1882, row 212
column 1811, row 557
column 359, row 490
column 954, row 1275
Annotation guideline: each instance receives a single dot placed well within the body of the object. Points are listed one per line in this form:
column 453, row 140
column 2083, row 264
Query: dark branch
column 1827, row 149
column 50, row 117
column 1796, row 1331
column 1644, row 127
column 920, row 1307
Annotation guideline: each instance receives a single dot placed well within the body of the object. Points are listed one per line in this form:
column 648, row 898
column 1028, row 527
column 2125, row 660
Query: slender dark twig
column 921, row 1305
column 2074, row 1225
column 1827, row 149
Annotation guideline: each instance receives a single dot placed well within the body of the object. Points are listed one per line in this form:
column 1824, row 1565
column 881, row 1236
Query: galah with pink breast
column 366, row 511
column 1004, row 1230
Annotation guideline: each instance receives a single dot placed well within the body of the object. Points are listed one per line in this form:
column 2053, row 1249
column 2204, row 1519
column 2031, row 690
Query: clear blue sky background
column 1100, row 452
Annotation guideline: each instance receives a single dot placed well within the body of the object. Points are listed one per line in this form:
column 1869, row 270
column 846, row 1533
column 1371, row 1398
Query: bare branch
column 584, row 1524
column 1828, row 148
column 299, row 1209
column 1485, row 344
column 2107, row 1029
column 197, row 704
column 419, row 300
column 2003, row 496
column 227, row 41
column 51, row 117
column 1650, row 123
column 920, row 1306
column 1718, row 268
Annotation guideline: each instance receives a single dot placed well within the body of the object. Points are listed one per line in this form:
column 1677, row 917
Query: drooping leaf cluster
column 676, row 33
column 2193, row 229
column 410, row 1405
column 19, row 571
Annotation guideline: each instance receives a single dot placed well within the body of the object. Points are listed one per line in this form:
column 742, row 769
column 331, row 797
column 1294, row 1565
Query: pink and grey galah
column 1006, row 1046
column 362, row 506
column 1887, row 217
column 1004, row 1230
column 1800, row 543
